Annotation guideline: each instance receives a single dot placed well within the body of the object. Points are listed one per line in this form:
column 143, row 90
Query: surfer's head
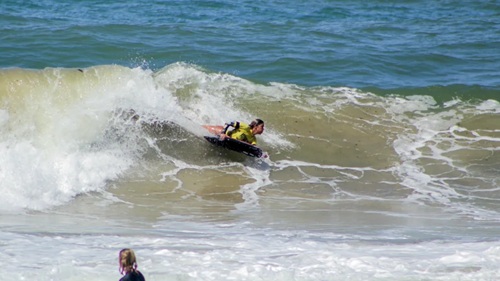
column 257, row 126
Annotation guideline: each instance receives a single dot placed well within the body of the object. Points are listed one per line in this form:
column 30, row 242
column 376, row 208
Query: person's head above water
column 127, row 261
column 257, row 126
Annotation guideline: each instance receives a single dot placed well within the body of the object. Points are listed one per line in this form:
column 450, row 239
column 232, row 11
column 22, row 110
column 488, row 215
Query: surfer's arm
column 214, row 129
column 235, row 125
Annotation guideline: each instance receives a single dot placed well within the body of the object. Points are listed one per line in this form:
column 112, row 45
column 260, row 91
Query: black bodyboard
column 236, row 145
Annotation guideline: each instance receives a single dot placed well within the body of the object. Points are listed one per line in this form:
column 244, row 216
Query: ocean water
column 382, row 130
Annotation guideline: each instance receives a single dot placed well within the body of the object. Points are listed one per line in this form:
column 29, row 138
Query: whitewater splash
column 70, row 131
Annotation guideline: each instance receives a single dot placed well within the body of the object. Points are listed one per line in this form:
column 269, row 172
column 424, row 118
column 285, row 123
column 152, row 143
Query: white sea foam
column 189, row 251
column 55, row 150
column 489, row 105
column 436, row 137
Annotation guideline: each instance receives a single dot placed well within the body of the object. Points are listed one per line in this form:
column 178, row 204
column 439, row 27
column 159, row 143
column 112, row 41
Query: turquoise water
column 382, row 130
column 411, row 44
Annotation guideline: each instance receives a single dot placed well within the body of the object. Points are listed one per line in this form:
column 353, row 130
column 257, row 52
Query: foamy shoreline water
column 176, row 250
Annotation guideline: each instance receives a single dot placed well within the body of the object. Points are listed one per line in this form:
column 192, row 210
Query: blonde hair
column 127, row 261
